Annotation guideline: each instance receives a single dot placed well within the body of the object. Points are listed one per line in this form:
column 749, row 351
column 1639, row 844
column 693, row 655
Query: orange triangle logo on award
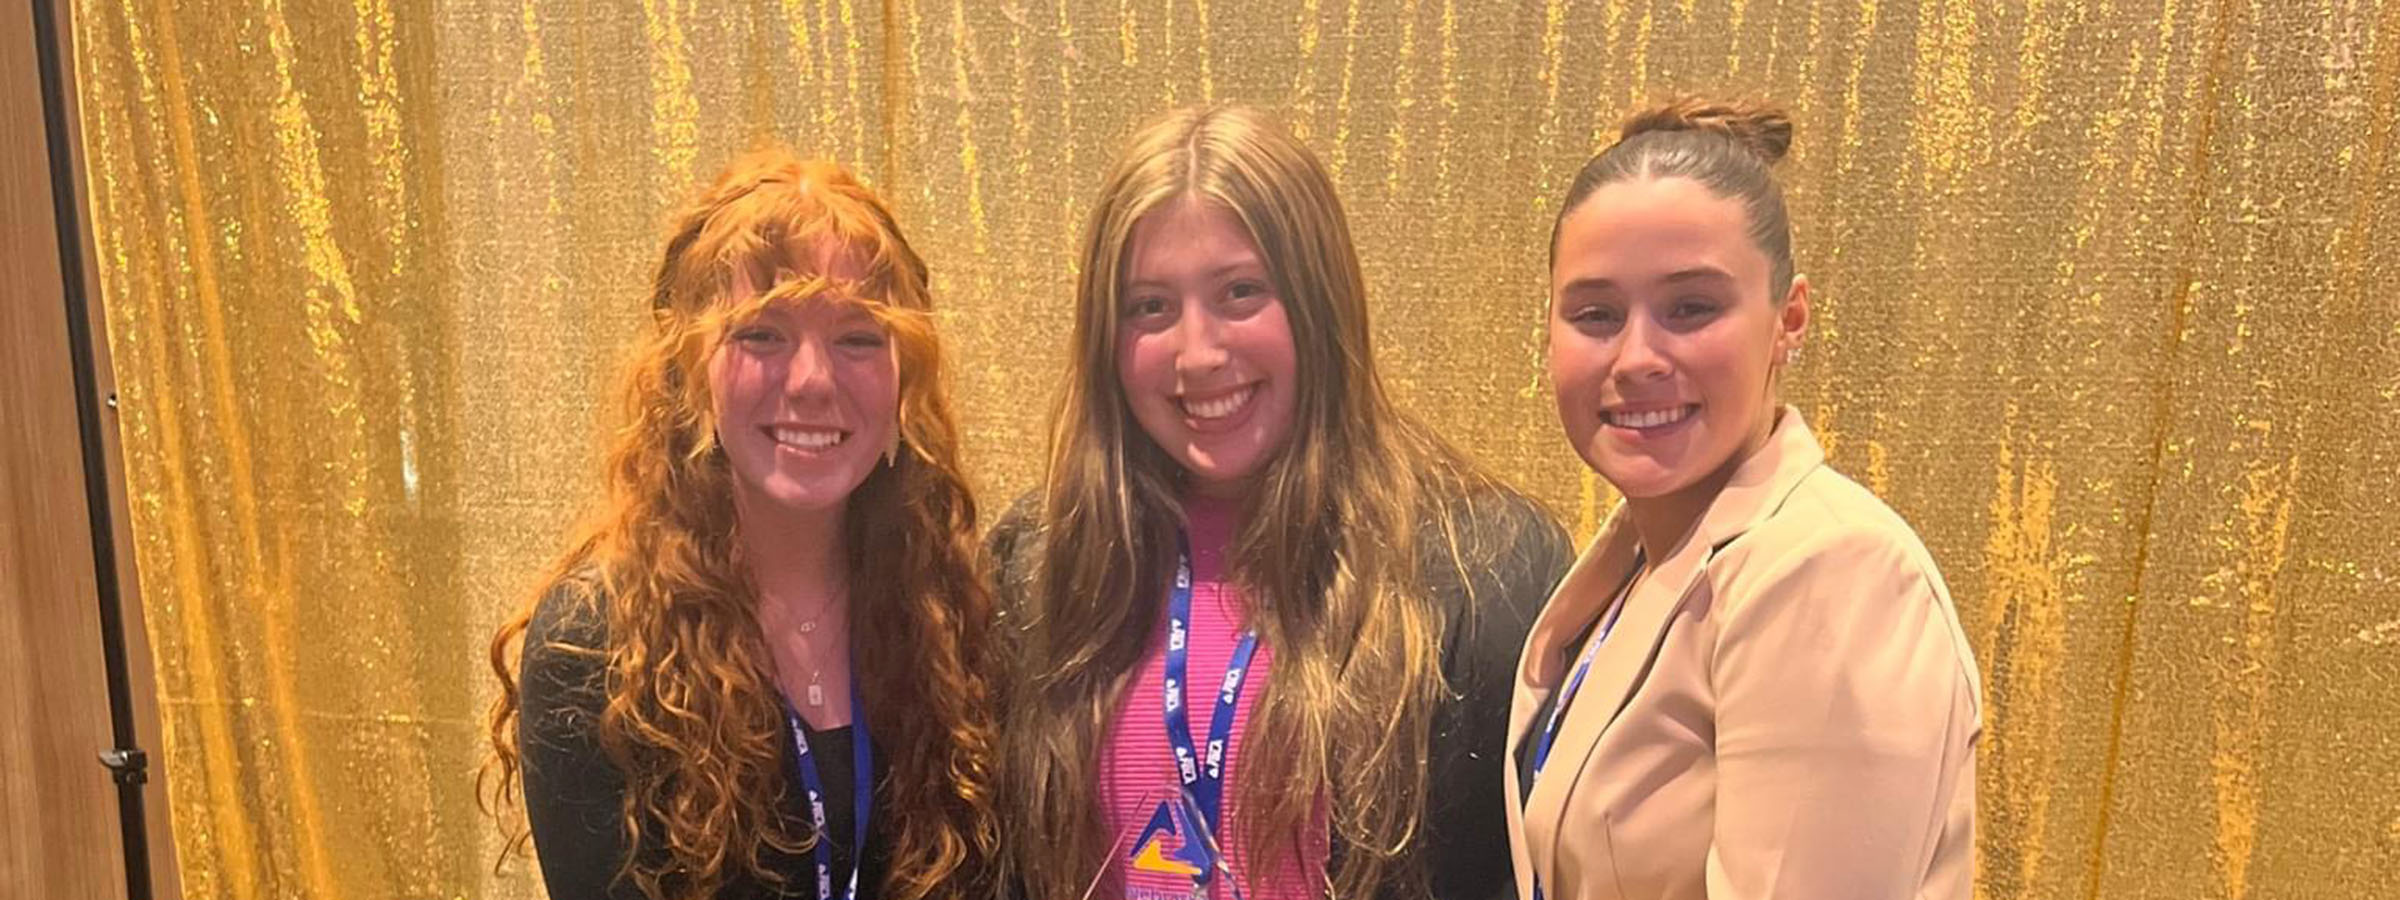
column 1152, row 853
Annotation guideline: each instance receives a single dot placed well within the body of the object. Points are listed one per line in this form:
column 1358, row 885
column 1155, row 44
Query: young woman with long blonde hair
column 749, row 675
column 1234, row 501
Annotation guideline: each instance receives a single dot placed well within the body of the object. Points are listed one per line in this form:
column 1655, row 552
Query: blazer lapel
column 1763, row 482
column 1756, row 489
column 1631, row 646
column 1583, row 593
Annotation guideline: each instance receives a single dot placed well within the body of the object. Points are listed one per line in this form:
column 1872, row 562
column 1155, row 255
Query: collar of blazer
column 1755, row 491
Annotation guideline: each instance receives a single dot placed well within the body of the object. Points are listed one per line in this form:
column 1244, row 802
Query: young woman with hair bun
column 751, row 674
column 1753, row 683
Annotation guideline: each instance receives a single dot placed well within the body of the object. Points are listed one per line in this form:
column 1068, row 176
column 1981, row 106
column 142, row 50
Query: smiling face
column 1664, row 341
column 1205, row 354
column 805, row 395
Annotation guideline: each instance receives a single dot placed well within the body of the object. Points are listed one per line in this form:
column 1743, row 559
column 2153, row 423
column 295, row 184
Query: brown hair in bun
column 1728, row 146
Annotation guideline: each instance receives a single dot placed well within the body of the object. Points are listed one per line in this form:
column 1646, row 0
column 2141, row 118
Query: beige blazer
column 1786, row 707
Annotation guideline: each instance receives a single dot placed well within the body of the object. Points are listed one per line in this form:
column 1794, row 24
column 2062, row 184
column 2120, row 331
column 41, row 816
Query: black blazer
column 574, row 797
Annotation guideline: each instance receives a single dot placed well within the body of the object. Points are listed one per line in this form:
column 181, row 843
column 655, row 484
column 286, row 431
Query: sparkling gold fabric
column 2105, row 306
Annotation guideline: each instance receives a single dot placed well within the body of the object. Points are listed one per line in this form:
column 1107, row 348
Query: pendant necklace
column 814, row 693
column 816, row 686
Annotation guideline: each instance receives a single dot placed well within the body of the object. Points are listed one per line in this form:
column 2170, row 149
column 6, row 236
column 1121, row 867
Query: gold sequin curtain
column 2106, row 307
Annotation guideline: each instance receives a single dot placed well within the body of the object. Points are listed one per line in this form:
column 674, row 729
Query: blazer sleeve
column 1010, row 549
column 573, row 795
column 1494, row 572
column 1845, row 721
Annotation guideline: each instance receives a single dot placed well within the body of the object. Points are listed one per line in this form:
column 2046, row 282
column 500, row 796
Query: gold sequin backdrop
column 2106, row 307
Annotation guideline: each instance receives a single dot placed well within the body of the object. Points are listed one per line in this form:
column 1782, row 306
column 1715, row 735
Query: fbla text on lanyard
column 862, row 793
column 1203, row 776
column 1558, row 709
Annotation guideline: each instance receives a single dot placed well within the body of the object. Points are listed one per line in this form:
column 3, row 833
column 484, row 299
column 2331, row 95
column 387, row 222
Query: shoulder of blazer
column 1827, row 513
column 1831, row 530
column 1829, row 518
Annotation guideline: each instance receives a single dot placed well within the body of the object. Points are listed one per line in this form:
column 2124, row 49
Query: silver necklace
column 814, row 693
column 816, row 686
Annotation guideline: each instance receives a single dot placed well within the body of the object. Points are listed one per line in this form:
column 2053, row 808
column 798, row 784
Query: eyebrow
column 1693, row 273
column 1246, row 262
column 845, row 308
column 850, row 310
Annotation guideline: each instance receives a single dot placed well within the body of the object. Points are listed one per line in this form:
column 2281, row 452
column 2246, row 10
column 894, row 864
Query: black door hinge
column 128, row 765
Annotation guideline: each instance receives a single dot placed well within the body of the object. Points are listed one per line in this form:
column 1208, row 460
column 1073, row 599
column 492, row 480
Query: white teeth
column 1651, row 418
column 1220, row 407
column 808, row 438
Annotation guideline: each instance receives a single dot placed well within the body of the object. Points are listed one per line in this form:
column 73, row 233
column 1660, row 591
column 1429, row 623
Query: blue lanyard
column 862, row 777
column 1591, row 651
column 1204, row 777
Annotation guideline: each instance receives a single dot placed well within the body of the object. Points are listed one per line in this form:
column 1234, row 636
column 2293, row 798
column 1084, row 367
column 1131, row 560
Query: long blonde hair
column 691, row 715
column 1325, row 562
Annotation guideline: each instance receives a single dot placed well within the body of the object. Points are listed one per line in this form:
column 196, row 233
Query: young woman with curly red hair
column 785, row 564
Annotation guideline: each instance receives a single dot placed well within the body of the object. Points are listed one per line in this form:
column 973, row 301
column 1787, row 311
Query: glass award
column 1172, row 854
